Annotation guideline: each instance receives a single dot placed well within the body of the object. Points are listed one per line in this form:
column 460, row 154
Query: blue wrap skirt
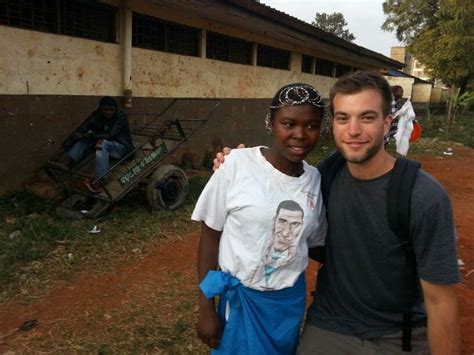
column 256, row 322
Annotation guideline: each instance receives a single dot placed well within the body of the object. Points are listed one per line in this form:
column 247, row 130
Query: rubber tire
column 168, row 188
column 66, row 208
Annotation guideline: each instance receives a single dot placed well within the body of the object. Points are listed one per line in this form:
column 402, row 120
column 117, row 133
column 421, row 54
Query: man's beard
column 357, row 158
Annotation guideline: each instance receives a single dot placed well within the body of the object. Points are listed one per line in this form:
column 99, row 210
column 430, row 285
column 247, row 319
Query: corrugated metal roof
column 401, row 74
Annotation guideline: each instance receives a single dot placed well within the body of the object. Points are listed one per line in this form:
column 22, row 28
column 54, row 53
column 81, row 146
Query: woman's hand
column 209, row 327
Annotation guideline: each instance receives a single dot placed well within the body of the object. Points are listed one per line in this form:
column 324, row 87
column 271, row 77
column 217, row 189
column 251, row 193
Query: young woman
column 260, row 212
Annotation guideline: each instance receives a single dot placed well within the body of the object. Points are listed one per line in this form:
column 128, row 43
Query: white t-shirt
column 265, row 251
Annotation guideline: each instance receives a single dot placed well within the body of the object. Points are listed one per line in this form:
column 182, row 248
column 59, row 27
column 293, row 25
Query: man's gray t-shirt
column 359, row 289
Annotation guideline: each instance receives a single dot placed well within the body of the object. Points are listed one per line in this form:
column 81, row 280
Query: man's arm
column 119, row 125
column 78, row 134
column 209, row 327
column 444, row 333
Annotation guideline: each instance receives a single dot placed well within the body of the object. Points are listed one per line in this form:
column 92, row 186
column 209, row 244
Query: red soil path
column 69, row 306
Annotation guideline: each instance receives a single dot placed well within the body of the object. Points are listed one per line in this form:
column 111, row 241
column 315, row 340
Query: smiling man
column 359, row 304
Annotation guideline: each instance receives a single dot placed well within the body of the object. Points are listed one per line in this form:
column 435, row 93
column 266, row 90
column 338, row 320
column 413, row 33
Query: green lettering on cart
column 133, row 172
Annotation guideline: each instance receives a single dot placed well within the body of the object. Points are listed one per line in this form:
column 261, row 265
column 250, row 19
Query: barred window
column 306, row 64
column 152, row 33
column 77, row 18
column 342, row 69
column 273, row 57
column 88, row 19
column 182, row 40
column 324, row 67
column 228, row 49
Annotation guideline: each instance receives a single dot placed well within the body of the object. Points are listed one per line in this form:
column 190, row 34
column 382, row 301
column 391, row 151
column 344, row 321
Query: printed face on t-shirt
column 287, row 228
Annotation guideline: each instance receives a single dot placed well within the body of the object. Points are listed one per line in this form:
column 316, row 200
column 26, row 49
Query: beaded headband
column 298, row 95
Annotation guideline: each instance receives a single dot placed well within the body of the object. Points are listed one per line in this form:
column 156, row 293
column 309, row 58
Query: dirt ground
column 77, row 310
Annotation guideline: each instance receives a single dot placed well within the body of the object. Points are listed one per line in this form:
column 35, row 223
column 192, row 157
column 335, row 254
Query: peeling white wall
column 47, row 64
column 438, row 95
column 158, row 74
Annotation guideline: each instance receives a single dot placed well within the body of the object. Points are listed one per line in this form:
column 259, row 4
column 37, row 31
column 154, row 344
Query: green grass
column 36, row 244
column 462, row 131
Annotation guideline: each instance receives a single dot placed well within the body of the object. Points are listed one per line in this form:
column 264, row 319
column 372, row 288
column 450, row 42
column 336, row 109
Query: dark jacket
column 116, row 129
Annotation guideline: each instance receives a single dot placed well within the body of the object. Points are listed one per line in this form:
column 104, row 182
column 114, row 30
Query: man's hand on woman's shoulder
column 220, row 157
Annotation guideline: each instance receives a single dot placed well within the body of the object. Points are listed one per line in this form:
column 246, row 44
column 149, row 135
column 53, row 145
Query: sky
column 364, row 19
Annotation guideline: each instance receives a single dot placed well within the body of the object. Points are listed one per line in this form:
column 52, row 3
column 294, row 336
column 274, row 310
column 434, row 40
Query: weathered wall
column 438, row 95
column 421, row 93
column 158, row 74
column 48, row 64
column 37, row 63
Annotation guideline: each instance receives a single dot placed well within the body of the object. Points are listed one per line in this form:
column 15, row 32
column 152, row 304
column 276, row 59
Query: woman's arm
column 209, row 327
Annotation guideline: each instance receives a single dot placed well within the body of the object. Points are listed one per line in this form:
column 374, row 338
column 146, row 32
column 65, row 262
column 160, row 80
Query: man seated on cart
column 107, row 131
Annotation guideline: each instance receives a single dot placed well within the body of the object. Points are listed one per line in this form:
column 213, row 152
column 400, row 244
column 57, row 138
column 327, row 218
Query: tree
column 440, row 34
column 460, row 102
column 408, row 18
column 333, row 23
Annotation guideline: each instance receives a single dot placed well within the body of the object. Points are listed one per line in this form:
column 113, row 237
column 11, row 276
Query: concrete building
column 60, row 56
column 412, row 65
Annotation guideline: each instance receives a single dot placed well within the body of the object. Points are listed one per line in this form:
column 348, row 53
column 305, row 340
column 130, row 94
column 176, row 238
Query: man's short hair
column 353, row 83
column 289, row 205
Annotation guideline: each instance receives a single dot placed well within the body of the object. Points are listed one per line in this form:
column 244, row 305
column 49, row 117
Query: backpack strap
column 328, row 169
column 400, row 189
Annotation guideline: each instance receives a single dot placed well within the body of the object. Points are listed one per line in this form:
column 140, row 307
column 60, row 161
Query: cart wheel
column 79, row 206
column 168, row 188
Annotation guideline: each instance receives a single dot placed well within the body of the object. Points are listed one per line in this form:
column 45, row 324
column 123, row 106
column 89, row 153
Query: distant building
column 412, row 65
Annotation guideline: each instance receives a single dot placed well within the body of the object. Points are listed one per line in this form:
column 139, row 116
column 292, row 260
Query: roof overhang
column 255, row 17
column 400, row 74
